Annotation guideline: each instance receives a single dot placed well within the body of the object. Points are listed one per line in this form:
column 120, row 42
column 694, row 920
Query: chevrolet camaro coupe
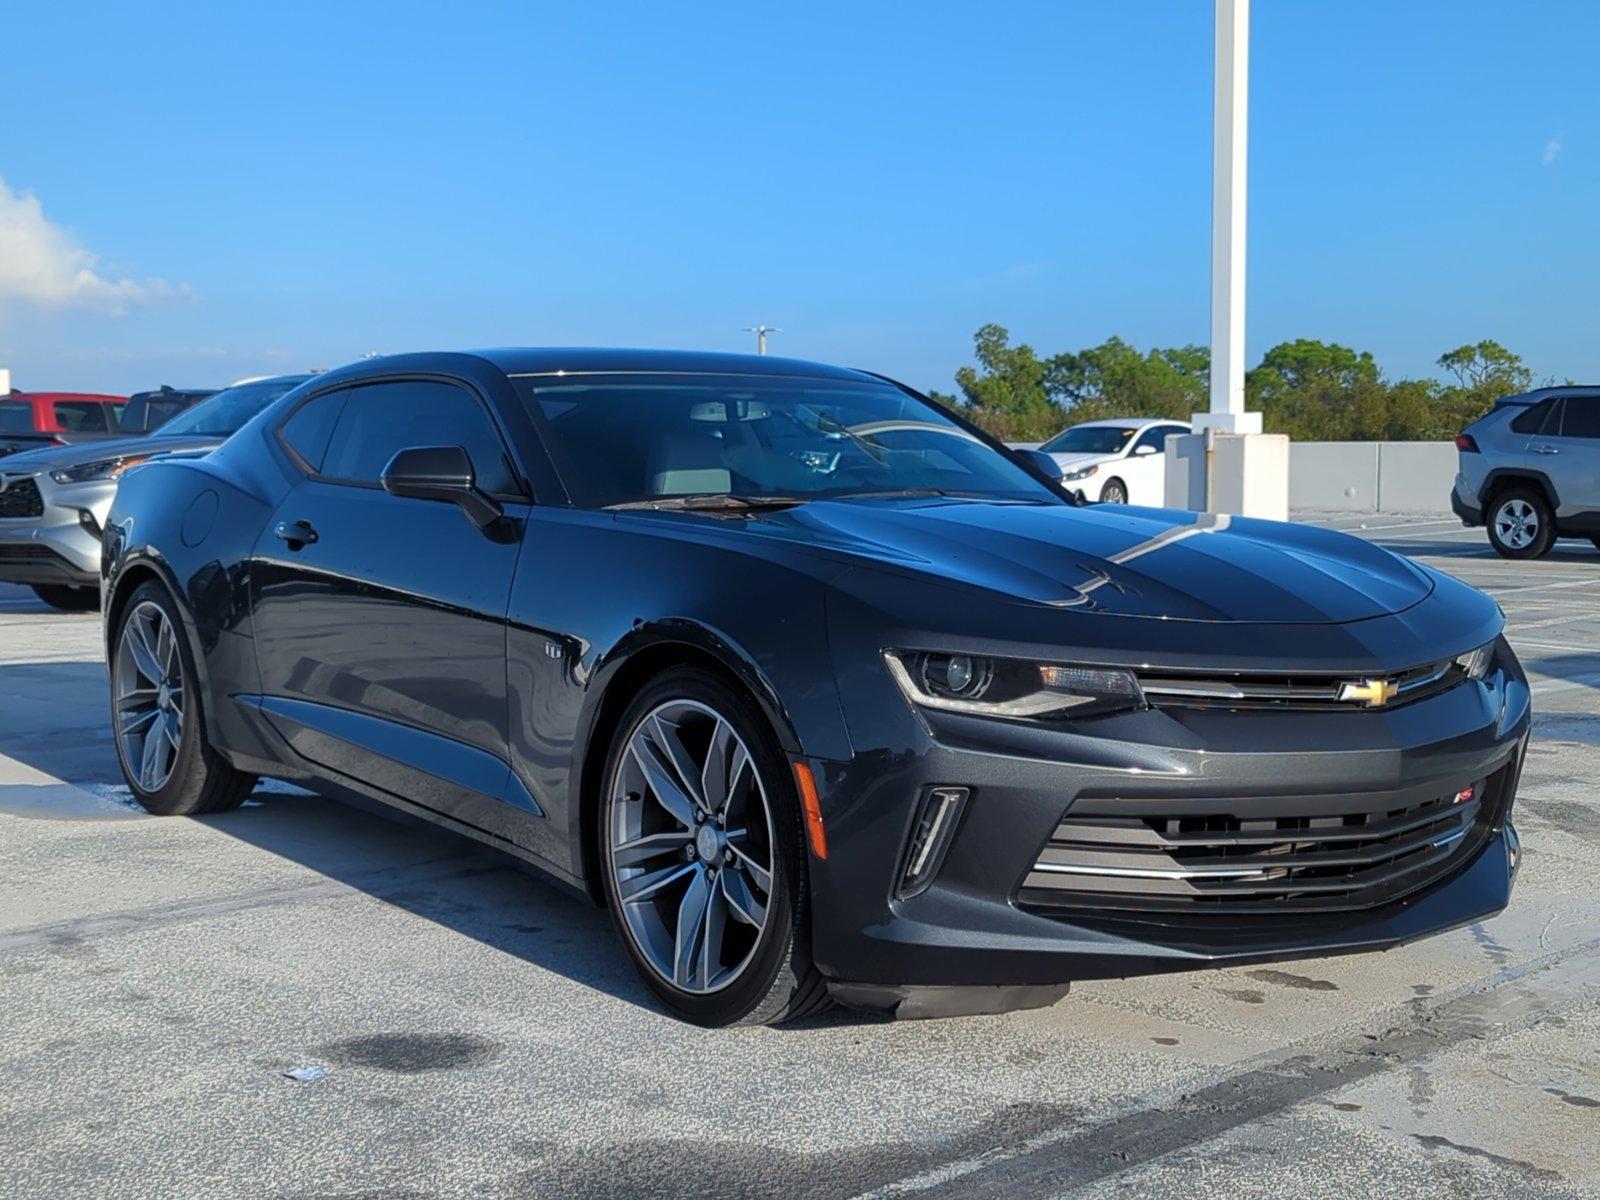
column 822, row 692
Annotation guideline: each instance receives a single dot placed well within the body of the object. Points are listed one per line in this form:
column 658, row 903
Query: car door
column 1568, row 452
column 1145, row 470
column 379, row 620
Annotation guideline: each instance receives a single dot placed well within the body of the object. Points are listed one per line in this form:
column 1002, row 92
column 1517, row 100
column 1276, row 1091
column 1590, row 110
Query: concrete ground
column 484, row 1036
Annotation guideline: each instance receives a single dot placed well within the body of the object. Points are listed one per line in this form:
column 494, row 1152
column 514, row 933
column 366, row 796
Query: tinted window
column 309, row 428
column 145, row 413
column 16, row 416
column 382, row 418
column 226, row 413
column 1582, row 417
column 621, row 439
column 83, row 416
column 1157, row 436
column 1531, row 420
column 1089, row 439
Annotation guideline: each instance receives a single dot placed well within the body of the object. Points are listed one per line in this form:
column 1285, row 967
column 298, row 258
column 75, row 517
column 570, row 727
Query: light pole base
column 1246, row 474
column 1227, row 422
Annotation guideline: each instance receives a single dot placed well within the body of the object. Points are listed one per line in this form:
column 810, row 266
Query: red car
column 29, row 420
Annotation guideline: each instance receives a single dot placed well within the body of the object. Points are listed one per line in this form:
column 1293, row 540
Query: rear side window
column 310, row 427
column 16, row 416
column 1532, row 420
column 380, row 419
column 83, row 416
column 1582, row 417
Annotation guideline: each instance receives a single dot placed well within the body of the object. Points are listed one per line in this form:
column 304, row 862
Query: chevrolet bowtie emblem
column 1374, row 693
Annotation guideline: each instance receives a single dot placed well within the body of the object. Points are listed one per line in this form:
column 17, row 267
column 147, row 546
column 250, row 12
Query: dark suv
column 1530, row 470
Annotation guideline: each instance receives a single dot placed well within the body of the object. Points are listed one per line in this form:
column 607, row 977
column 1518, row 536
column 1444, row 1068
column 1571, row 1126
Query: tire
column 1114, row 492
column 153, row 688
column 1596, row 541
column 1521, row 524
column 68, row 597
column 664, row 843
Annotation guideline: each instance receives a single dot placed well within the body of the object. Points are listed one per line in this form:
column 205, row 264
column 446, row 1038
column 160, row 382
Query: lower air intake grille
column 1300, row 854
column 20, row 498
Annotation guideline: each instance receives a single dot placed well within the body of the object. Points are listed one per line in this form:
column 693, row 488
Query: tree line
column 1310, row 390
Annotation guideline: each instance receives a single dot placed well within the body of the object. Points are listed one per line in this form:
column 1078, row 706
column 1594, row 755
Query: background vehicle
column 53, row 501
column 1116, row 462
column 1529, row 470
column 812, row 684
column 147, row 411
column 32, row 419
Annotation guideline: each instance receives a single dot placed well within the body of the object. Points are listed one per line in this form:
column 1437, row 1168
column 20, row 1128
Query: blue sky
column 200, row 191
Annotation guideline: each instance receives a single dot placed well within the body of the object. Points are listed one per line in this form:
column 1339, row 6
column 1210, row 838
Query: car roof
column 100, row 397
column 1544, row 393
column 546, row 360
column 1130, row 422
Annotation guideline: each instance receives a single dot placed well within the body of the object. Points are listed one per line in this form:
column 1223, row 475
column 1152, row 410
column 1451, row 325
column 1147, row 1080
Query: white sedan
column 1116, row 462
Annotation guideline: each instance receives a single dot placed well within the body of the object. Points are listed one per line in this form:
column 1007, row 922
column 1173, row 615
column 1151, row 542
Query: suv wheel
column 156, row 716
column 702, row 856
column 1521, row 524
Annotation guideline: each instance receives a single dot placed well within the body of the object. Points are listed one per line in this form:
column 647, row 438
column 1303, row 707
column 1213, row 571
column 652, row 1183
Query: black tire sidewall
column 1540, row 546
column 748, row 996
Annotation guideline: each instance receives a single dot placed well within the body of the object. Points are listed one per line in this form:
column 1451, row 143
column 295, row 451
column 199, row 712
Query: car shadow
column 451, row 881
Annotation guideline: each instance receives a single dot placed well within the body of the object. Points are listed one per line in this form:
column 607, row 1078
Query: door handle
column 295, row 533
column 1546, row 450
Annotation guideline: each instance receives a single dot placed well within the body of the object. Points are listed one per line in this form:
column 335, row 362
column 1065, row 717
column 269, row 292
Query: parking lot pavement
column 484, row 1036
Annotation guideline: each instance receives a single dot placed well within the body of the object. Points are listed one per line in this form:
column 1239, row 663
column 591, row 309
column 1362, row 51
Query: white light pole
column 1230, row 134
column 761, row 332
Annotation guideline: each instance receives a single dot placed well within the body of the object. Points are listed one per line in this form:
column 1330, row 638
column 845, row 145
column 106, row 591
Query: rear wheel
column 1114, row 492
column 1521, row 524
column 156, row 716
column 68, row 597
column 702, row 859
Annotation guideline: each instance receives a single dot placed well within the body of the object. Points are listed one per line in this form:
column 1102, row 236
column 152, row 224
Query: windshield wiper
column 716, row 503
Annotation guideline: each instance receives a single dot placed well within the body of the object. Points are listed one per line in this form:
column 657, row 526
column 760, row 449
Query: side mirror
column 1039, row 463
column 441, row 473
column 1141, row 451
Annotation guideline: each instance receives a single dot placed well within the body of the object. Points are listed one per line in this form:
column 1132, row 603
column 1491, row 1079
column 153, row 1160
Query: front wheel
column 702, row 859
column 156, row 716
column 1521, row 524
column 1115, row 492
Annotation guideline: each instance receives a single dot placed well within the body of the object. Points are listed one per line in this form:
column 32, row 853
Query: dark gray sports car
column 818, row 688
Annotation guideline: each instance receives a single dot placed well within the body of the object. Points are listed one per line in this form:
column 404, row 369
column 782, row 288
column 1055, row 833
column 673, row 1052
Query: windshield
column 16, row 416
column 1089, row 439
column 624, row 439
column 226, row 413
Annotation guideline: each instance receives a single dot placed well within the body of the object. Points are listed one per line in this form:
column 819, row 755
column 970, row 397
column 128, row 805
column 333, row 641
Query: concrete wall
column 1372, row 476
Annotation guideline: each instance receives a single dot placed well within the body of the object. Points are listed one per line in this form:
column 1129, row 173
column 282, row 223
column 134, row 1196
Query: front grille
column 1297, row 854
column 20, row 497
column 1308, row 693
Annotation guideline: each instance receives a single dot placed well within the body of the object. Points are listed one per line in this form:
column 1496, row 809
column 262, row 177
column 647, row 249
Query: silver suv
column 1530, row 470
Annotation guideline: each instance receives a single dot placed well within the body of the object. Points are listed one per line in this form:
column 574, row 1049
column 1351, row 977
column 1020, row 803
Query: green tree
column 1315, row 390
column 1115, row 379
column 1006, row 393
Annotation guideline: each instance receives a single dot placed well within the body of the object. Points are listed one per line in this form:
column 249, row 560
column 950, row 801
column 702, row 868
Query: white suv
column 1530, row 470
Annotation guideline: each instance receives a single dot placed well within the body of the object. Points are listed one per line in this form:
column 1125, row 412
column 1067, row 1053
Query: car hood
column 54, row 458
column 1130, row 562
column 1072, row 462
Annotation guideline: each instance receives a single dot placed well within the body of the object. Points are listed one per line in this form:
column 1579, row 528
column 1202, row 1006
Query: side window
column 309, row 427
column 1156, row 437
column 1532, row 420
column 82, row 416
column 1582, row 417
column 382, row 418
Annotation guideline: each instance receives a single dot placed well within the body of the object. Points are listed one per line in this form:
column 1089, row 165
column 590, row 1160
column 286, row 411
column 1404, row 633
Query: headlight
column 91, row 472
column 1475, row 663
column 1080, row 473
column 1009, row 687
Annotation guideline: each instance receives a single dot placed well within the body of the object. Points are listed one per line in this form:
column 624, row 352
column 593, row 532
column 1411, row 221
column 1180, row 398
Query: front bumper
column 62, row 544
column 974, row 926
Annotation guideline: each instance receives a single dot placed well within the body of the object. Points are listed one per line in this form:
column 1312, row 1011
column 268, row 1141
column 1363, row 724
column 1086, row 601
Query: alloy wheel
column 1516, row 522
column 690, row 846
column 149, row 696
column 1114, row 493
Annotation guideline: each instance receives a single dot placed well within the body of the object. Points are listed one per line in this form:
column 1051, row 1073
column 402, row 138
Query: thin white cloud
column 1552, row 151
column 42, row 264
